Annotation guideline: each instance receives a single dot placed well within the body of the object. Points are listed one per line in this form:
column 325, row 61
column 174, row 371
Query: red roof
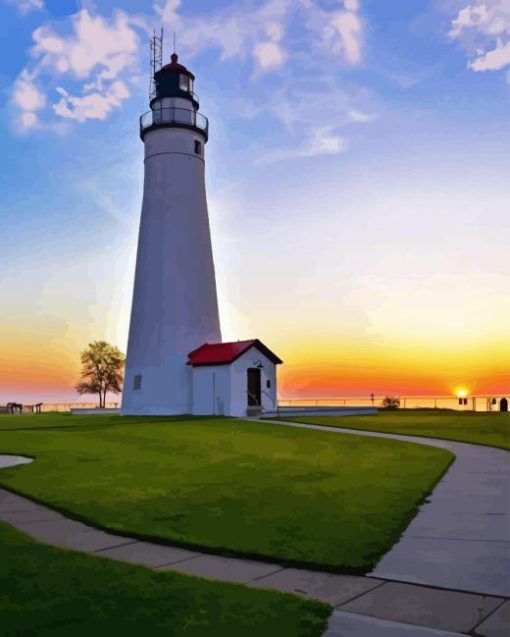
column 225, row 353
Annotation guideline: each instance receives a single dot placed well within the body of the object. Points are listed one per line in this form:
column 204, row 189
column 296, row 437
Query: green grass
column 490, row 429
column 56, row 419
column 301, row 497
column 49, row 592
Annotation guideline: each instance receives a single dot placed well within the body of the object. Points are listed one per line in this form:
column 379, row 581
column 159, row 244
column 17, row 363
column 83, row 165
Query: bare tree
column 102, row 370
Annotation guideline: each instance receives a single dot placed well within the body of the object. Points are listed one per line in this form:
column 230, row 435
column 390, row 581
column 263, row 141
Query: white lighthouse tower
column 175, row 308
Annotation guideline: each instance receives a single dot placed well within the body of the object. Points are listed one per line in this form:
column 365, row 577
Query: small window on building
column 184, row 82
column 137, row 382
column 268, row 384
column 198, row 148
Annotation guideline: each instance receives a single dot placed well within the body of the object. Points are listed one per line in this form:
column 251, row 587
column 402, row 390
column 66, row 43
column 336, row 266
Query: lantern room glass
column 184, row 82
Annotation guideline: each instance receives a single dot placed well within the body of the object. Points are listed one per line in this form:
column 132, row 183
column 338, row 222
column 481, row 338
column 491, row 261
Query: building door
column 253, row 387
column 503, row 404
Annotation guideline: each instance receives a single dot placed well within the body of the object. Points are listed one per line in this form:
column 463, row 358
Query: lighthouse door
column 253, row 387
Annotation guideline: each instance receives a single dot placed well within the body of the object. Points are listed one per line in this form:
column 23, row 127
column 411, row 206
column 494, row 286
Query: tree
column 102, row 370
column 391, row 402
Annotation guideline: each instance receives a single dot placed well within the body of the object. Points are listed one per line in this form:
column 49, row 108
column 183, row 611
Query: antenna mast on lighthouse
column 156, row 48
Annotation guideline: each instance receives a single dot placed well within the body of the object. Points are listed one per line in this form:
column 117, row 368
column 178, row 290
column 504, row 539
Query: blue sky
column 357, row 175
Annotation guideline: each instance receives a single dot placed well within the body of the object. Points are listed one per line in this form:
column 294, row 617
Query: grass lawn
column 51, row 420
column 298, row 496
column 49, row 592
column 490, row 429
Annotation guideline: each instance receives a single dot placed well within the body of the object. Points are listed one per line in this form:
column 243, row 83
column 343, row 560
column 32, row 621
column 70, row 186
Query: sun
column 462, row 393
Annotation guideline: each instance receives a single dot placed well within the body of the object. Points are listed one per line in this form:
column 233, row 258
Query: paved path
column 342, row 624
column 361, row 602
column 460, row 539
column 364, row 606
column 12, row 461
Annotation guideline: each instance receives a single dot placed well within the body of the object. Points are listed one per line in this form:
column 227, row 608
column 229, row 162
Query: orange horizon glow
column 325, row 355
column 39, row 371
column 358, row 222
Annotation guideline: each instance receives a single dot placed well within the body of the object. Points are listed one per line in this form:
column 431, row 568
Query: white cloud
column 483, row 29
column 27, row 99
column 25, row 6
column 361, row 117
column 321, row 141
column 95, row 60
column 99, row 56
column 26, row 95
column 28, row 120
column 269, row 55
column 260, row 29
column 348, row 27
column 313, row 108
column 404, row 80
column 92, row 106
column 491, row 17
column 493, row 60
column 339, row 31
column 95, row 45
column 236, row 30
column 168, row 13
column 308, row 102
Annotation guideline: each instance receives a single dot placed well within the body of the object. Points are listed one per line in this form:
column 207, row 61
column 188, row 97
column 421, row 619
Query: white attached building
column 233, row 379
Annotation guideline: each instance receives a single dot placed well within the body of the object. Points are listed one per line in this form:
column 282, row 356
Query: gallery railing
column 178, row 117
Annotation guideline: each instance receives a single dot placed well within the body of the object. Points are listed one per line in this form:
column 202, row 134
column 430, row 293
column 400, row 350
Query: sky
column 357, row 176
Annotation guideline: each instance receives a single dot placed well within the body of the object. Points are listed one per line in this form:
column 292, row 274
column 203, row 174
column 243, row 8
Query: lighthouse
column 175, row 307
column 176, row 362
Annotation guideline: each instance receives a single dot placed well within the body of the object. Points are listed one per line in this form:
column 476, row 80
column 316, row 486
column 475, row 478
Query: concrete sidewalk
column 460, row 539
column 342, row 624
column 365, row 606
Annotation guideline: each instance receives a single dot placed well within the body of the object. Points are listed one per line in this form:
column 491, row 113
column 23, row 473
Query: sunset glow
column 358, row 193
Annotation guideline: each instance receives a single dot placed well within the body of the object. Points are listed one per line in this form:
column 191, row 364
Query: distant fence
column 36, row 408
column 469, row 403
column 69, row 406
column 28, row 408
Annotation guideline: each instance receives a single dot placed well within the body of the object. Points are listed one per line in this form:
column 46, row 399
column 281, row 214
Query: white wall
column 238, row 382
column 211, row 390
column 175, row 308
column 222, row 389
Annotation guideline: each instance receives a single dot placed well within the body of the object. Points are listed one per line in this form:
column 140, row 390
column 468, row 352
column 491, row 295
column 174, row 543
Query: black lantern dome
column 174, row 80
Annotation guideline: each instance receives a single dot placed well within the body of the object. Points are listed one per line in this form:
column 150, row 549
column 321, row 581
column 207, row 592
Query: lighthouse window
column 198, row 148
column 184, row 82
column 137, row 382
